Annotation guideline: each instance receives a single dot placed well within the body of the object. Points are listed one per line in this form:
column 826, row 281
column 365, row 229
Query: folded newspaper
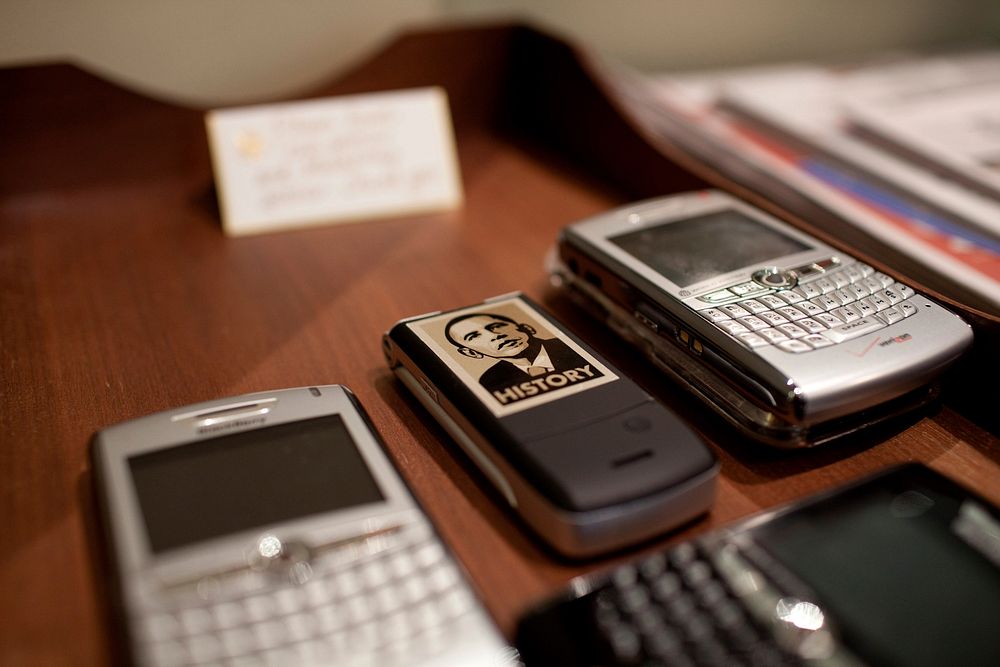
column 905, row 149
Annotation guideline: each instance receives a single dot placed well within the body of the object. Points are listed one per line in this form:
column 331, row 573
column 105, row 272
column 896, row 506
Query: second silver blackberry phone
column 792, row 340
column 272, row 529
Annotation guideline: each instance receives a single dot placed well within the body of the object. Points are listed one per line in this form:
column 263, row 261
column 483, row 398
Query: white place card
column 350, row 158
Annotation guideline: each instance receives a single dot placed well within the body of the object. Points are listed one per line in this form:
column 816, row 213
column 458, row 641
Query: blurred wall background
column 212, row 52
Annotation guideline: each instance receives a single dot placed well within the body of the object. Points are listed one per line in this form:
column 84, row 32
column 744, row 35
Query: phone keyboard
column 689, row 607
column 838, row 306
column 400, row 605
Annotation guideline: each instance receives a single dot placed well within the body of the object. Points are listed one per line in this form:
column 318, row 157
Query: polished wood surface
column 120, row 296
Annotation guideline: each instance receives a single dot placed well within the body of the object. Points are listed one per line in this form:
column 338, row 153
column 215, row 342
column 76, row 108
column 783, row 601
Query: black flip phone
column 588, row 459
column 902, row 568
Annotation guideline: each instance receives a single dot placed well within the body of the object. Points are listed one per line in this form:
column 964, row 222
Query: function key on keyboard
column 825, row 285
column 346, row 583
column 270, row 634
column 772, row 335
column 854, row 273
column 456, row 602
column 873, row 284
column 195, row 621
column 864, row 307
column 812, row 326
column 827, row 319
column 844, row 296
column 817, row 341
column 859, row 291
column 853, row 329
column 791, row 312
column 374, row 573
column 846, row 314
column 792, row 330
column 839, row 279
column 625, row 643
column 754, row 306
column 169, row 653
column 625, row 577
column 809, row 308
column 891, row 315
column 809, row 290
column 714, row 315
column 653, row 566
column 892, row 295
column 682, row 555
column 747, row 288
column 734, row 310
column 666, row 587
column 665, row 644
column 795, row 346
column 790, row 296
column 718, row 297
column 428, row 554
column 634, row 600
column 359, row 609
column 160, row 627
column 229, row 615
column 260, row 607
column 290, row 600
column 879, row 301
column 443, row 577
column 732, row 326
column 402, row 565
column 773, row 318
column 389, row 599
column 771, row 301
column 238, row 641
column 826, row 302
column 883, row 278
column 205, row 648
column 754, row 323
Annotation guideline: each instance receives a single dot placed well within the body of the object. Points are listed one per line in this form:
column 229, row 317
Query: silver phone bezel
column 115, row 445
column 813, row 393
column 599, row 231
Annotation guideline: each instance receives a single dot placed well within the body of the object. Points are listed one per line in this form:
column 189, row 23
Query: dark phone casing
column 590, row 471
column 562, row 630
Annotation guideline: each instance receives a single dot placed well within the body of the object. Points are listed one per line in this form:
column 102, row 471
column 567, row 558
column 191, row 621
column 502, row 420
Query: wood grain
column 120, row 296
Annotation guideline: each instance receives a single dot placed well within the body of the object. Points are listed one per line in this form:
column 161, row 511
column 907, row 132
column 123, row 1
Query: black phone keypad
column 675, row 608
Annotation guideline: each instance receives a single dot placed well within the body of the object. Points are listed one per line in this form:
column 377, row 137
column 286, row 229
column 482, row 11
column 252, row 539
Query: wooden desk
column 121, row 296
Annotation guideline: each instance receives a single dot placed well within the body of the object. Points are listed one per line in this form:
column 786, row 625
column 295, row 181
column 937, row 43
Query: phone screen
column 210, row 488
column 902, row 570
column 689, row 251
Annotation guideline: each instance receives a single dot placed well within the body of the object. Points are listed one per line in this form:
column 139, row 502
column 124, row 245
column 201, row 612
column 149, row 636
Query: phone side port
column 654, row 319
column 592, row 278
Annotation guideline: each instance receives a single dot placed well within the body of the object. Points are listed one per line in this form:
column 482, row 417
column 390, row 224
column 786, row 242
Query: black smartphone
column 902, row 568
column 588, row 459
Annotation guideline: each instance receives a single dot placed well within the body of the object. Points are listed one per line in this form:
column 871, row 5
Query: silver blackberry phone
column 272, row 528
column 791, row 340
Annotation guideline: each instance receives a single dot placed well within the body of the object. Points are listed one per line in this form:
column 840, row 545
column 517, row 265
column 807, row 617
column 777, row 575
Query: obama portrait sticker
column 510, row 356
